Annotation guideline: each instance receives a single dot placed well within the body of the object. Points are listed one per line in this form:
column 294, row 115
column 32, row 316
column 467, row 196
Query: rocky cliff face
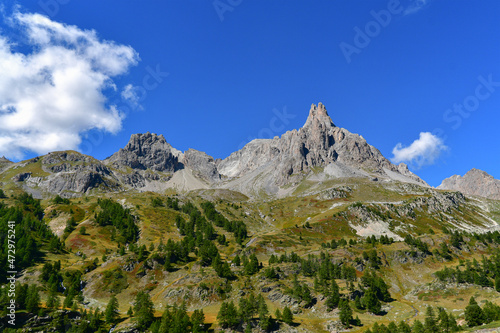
column 147, row 151
column 319, row 143
column 202, row 165
column 67, row 173
column 474, row 182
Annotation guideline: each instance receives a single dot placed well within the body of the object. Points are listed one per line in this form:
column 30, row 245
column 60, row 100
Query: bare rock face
column 474, row 182
column 4, row 163
column 67, row 173
column 72, row 173
column 317, row 144
column 202, row 165
column 147, row 151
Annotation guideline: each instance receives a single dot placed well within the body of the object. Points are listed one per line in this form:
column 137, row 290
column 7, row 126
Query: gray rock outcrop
column 474, row 182
column 202, row 165
column 147, row 151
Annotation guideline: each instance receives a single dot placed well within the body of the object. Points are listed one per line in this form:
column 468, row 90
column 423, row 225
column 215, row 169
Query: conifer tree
column 143, row 310
column 474, row 315
column 33, row 299
column 111, row 313
column 345, row 312
column 264, row 318
column 287, row 316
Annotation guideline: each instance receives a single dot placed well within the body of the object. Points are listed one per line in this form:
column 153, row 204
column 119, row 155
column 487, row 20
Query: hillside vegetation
column 356, row 255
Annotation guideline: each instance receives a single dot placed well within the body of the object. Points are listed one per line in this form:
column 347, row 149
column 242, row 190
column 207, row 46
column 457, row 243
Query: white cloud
column 423, row 151
column 415, row 6
column 54, row 93
column 131, row 95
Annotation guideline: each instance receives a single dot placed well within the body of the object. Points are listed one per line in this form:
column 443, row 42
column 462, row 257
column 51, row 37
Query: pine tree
column 430, row 325
column 22, row 294
column 453, row 323
column 287, row 316
column 68, row 301
column 198, row 321
column 143, row 310
column 111, row 313
column 403, row 327
column 95, row 320
column 371, row 301
column 333, row 299
column 33, row 299
column 444, row 321
column 52, row 300
column 392, row 327
column 130, row 312
column 474, row 315
column 357, row 303
column 168, row 265
column 417, row 327
column 245, row 310
column 252, row 266
column 277, row 313
column 345, row 312
column 264, row 318
column 74, row 306
column 228, row 315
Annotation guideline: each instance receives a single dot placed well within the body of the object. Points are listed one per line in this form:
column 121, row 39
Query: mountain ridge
column 474, row 182
column 316, row 152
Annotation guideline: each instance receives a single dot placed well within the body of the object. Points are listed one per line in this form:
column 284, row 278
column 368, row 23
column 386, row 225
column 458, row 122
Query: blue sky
column 212, row 75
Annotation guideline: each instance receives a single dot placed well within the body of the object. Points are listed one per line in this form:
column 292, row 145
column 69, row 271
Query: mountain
column 306, row 158
column 317, row 152
column 147, row 151
column 296, row 223
column 4, row 162
column 474, row 182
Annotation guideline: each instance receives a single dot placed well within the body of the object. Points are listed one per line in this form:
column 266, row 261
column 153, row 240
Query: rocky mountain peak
column 319, row 115
column 478, row 173
column 147, row 151
column 474, row 182
column 273, row 163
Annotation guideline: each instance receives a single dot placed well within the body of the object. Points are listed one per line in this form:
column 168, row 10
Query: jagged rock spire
column 318, row 114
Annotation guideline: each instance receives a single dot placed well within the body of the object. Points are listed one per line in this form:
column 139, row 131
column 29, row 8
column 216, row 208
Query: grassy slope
column 275, row 226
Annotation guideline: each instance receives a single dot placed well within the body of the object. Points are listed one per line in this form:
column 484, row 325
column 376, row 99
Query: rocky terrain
column 319, row 143
column 317, row 152
column 474, row 182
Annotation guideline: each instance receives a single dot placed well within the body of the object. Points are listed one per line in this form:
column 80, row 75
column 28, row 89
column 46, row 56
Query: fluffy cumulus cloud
column 54, row 92
column 423, row 151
